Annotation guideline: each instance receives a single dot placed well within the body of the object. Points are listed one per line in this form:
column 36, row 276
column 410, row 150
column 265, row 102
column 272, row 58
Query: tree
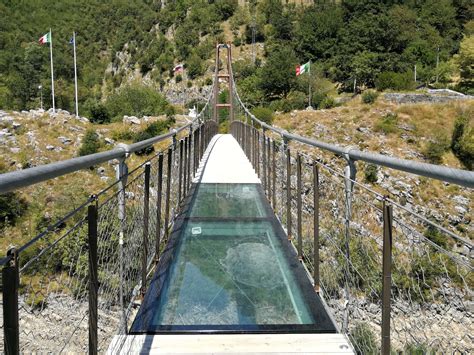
column 277, row 76
column 465, row 61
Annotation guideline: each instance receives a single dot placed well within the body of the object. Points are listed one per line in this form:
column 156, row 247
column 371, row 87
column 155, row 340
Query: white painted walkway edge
column 231, row 344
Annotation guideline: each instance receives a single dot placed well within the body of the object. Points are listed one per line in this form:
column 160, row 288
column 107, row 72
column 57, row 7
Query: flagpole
column 75, row 71
column 52, row 73
column 309, row 90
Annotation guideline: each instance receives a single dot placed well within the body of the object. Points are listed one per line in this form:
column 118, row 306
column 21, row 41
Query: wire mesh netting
column 431, row 293
column 54, row 267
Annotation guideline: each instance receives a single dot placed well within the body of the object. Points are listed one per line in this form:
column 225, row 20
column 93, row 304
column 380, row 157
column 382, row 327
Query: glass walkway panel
column 229, row 267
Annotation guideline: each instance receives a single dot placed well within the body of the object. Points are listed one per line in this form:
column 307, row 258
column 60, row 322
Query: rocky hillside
column 36, row 137
column 409, row 131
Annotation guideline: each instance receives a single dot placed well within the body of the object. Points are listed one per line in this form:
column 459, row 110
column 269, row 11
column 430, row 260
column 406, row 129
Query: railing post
column 158, row 207
column 269, row 169
column 387, row 276
column 349, row 178
column 188, row 169
column 122, row 176
column 180, row 170
column 288, row 192
column 168, row 189
column 316, row 277
column 93, row 276
column 185, row 166
column 298, row 206
column 146, row 219
column 274, row 175
column 264, row 161
column 10, row 286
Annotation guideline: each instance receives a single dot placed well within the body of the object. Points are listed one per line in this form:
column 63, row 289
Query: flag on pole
column 300, row 69
column 45, row 39
column 179, row 68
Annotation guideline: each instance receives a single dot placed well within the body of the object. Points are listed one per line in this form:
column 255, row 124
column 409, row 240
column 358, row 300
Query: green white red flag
column 300, row 69
column 45, row 39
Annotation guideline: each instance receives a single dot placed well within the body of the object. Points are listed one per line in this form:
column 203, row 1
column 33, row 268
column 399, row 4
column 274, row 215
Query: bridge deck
column 229, row 268
column 225, row 162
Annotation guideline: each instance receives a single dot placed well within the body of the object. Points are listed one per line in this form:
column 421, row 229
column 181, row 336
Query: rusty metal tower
column 225, row 77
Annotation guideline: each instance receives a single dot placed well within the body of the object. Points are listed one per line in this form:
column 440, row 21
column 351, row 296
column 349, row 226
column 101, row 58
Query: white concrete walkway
column 225, row 162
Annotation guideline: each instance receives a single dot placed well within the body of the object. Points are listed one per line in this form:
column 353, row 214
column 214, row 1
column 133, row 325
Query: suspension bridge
column 247, row 241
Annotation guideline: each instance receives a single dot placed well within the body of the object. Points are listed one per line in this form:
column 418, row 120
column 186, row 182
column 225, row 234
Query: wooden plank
column 231, row 344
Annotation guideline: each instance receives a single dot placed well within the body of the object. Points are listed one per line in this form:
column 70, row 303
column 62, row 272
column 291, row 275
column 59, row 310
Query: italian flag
column 300, row 69
column 45, row 39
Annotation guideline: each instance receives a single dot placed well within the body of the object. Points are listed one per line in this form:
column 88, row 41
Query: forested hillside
column 374, row 43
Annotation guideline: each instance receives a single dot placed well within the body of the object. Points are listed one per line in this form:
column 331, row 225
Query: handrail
column 22, row 178
column 456, row 176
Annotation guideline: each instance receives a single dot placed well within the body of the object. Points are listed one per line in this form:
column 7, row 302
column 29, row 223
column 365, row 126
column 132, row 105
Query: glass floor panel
column 227, row 201
column 230, row 267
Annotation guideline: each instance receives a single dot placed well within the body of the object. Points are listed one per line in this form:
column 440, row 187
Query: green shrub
column 396, row 81
column 189, row 84
column 297, row 100
column 123, row 135
column 194, row 67
column 99, row 113
column 136, row 100
column 435, row 149
column 364, row 339
column 178, row 78
column 282, row 105
column 237, row 41
column 327, row 103
column 369, row 96
column 387, row 124
column 208, row 81
column 152, row 130
column 433, row 234
column 263, row 114
column 90, row 143
column 370, row 173
column 416, row 349
column 462, row 141
column 12, row 206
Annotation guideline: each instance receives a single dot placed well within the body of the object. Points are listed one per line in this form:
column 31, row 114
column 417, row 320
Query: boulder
column 131, row 120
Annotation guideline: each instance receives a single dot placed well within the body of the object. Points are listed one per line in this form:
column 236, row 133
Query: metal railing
column 76, row 283
column 390, row 275
column 456, row 176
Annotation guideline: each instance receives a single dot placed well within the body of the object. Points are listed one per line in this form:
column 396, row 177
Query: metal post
column 180, row 170
column 288, row 193
column 349, row 178
column 122, row 176
column 146, row 219
column 168, row 189
column 298, row 204
column 316, row 277
column 269, row 169
column 10, row 285
column 159, row 190
column 387, row 276
column 258, row 154
column 274, row 175
column 185, row 166
column 264, row 161
column 188, row 169
column 93, row 277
